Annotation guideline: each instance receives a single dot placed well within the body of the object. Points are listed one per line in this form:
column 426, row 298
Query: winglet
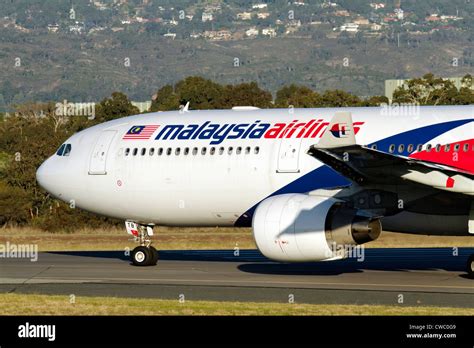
column 339, row 133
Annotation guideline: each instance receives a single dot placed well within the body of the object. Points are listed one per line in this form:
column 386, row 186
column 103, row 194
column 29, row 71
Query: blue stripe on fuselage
column 325, row 177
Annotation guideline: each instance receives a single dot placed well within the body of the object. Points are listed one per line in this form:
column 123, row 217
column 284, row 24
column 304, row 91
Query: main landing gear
column 144, row 254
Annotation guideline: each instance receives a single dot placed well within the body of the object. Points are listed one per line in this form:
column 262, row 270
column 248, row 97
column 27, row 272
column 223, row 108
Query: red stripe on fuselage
column 461, row 159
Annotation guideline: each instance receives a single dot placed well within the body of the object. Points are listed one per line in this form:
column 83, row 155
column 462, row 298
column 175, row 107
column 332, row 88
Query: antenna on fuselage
column 184, row 108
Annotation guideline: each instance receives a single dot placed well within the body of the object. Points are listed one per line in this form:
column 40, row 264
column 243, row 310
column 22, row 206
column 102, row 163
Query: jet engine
column 301, row 227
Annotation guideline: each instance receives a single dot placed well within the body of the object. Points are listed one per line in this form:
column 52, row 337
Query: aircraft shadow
column 252, row 261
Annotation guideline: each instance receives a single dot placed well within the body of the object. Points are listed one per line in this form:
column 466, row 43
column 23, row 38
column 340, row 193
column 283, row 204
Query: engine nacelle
column 300, row 227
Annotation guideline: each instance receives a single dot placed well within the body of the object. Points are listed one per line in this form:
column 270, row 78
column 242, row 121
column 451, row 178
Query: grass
column 168, row 238
column 32, row 304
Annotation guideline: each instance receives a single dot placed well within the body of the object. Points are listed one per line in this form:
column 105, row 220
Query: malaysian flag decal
column 140, row 132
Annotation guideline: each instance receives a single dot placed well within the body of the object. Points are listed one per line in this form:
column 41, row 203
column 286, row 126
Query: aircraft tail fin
column 339, row 133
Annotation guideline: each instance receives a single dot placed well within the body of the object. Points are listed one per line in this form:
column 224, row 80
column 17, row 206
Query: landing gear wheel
column 142, row 256
column 155, row 256
column 470, row 266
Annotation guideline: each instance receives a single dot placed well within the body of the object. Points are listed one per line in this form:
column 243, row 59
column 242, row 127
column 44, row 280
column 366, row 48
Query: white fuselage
column 215, row 186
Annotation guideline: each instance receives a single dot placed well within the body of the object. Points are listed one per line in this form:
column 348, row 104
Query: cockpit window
column 64, row 150
column 60, row 150
column 67, row 150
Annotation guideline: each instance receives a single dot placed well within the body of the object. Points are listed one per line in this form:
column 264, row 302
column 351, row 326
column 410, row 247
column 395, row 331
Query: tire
column 470, row 266
column 141, row 256
column 155, row 256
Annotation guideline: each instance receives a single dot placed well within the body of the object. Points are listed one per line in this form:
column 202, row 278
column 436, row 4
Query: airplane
column 306, row 180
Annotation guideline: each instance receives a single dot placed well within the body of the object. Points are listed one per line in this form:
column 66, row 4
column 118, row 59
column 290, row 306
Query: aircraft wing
column 337, row 148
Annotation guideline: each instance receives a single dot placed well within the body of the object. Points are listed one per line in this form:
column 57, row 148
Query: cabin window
column 247, row 150
column 410, row 148
column 447, row 147
column 456, row 147
column 401, row 148
column 238, row 151
column 195, row 151
column 143, row 151
column 466, row 147
column 230, row 150
column 151, row 151
column 127, row 151
column 169, row 151
column 419, row 147
column 203, row 151
column 186, row 151
column 135, row 151
column 221, row 150
column 257, row 150
column 428, row 147
column 391, row 148
column 438, row 148
column 160, row 151
column 177, row 151
column 374, row 147
column 212, row 150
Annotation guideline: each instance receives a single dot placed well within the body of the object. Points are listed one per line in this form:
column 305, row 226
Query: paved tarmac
column 421, row 276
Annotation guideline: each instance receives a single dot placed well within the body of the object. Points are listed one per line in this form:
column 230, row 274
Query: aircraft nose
column 45, row 177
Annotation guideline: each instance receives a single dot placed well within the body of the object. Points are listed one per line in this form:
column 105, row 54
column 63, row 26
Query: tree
column 465, row 95
column 427, row 90
column 297, row 96
column 199, row 92
column 244, row 94
column 15, row 204
column 165, row 99
column 375, row 100
column 115, row 107
column 338, row 98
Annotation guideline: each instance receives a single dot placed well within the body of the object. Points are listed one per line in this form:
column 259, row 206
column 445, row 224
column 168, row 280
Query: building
column 245, row 16
column 392, row 85
column 252, row 32
column 399, row 13
column 433, row 18
column 377, row 6
column 375, row 27
column 221, row 35
column 170, row 35
column 142, row 106
column 259, row 6
column 361, row 21
column 350, row 27
column 263, row 15
column 206, row 16
column 77, row 28
column 269, row 32
column 53, row 28
column 194, row 35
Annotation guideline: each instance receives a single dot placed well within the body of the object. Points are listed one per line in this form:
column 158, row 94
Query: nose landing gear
column 144, row 254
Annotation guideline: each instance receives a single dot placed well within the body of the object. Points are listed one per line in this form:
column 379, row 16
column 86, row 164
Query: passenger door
column 98, row 161
column 288, row 154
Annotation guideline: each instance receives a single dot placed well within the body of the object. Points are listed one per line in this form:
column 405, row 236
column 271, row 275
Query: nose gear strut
column 144, row 254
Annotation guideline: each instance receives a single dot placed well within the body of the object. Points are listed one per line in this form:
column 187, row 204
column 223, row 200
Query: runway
column 405, row 277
